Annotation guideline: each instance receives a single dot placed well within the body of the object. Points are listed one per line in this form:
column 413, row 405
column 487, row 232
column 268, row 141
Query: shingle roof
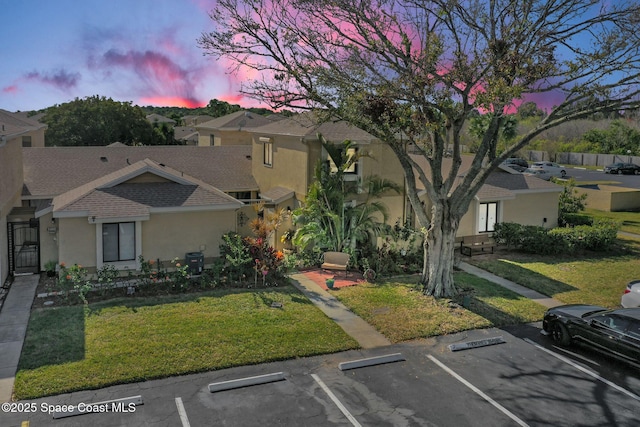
column 51, row 171
column 499, row 184
column 14, row 124
column 277, row 194
column 235, row 121
column 112, row 196
column 306, row 126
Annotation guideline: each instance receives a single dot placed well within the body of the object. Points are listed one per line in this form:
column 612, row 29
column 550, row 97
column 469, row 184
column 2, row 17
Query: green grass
column 630, row 220
column 401, row 312
column 126, row 340
column 595, row 278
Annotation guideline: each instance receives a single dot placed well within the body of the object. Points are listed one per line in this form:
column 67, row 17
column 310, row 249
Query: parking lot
column 524, row 381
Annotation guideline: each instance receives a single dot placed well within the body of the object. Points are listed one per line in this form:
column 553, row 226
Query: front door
column 24, row 246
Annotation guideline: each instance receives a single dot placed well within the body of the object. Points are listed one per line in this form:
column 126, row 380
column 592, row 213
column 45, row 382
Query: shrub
column 574, row 219
column 74, row 280
column 508, row 234
column 535, row 239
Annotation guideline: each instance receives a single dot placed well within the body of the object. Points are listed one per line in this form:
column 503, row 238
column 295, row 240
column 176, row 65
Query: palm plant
column 327, row 220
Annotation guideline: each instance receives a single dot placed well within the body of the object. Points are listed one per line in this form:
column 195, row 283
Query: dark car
column 613, row 332
column 516, row 163
column 625, row 168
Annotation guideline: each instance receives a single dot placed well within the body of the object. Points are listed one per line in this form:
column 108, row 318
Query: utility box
column 194, row 262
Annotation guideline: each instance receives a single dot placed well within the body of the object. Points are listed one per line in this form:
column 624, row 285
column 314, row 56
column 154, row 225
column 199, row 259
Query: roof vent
column 248, row 157
column 104, row 159
column 161, row 164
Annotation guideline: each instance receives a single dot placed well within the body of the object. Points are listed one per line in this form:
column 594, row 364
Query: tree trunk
column 439, row 255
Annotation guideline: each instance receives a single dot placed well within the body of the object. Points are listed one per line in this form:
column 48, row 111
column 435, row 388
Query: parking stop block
column 371, row 361
column 475, row 344
column 245, row 382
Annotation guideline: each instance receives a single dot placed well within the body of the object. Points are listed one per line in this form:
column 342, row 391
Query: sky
column 139, row 51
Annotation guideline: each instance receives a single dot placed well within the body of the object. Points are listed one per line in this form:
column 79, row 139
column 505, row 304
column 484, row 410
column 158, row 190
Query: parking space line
column 335, row 400
column 478, row 392
column 585, row 370
column 183, row 414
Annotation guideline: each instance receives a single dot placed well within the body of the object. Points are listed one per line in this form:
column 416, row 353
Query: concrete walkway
column 14, row 318
column 361, row 331
column 526, row 292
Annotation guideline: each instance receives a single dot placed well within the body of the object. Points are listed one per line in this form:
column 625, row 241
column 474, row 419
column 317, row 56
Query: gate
column 24, row 246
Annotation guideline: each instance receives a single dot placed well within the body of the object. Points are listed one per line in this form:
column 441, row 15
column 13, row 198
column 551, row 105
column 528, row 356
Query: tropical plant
column 335, row 216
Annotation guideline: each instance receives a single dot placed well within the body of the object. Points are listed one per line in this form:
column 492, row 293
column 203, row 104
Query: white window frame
column 120, row 265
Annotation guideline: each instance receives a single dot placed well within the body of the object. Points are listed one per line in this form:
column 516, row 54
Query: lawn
column 594, row 278
column 127, row 340
column 630, row 220
column 401, row 312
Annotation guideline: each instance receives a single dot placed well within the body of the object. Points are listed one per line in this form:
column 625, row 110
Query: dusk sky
column 143, row 51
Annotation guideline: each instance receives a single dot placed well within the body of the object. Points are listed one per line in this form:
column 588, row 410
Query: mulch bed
column 320, row 276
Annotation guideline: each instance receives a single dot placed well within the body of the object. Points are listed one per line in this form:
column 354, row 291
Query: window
column 26, row 141
column 268, row 153
column 212, row 140
column 118, row 242
column 352, row 169
column 487, row 216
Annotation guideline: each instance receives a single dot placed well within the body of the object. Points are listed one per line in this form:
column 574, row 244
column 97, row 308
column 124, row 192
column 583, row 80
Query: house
column 186, row 135
column 504, row 197
column 157, row 119
column 16, row 131
column 28, row 130
column 285, row 154
column 110, row 205
column 97, row 205
column 232, row 129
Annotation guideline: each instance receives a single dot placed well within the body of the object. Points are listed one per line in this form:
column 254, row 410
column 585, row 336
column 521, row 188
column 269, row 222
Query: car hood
column 575, row 310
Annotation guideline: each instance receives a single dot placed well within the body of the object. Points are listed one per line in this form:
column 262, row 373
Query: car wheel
column 563, row 173
column 617, row 172
column 560, row 334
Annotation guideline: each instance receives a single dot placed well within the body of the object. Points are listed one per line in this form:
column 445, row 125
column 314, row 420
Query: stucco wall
column 11, row 178
column 48, row 240
column 166, row 236
column 532, row 209
column 290, row 165
column 77, row 242
column 223, row 137
column 611, row 198
column 526, row 209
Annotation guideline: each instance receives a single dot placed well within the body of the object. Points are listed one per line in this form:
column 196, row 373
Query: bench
column 336, row 261
column 476, row 243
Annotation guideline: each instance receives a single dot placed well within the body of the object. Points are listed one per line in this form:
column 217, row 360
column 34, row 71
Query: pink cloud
column 10, row 89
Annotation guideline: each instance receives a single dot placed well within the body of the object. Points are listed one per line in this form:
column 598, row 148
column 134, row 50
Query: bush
column 534, row 239
column 574, row 219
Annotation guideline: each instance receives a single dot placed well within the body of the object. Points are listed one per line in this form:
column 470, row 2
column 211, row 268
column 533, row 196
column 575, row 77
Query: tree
column 407, row 70
column 618, row 138
column 335, row 217
column 570, row 200
column 529, row 109
column 96, row 120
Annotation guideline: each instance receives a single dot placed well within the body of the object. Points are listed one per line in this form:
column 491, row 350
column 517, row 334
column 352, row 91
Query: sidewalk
column 361, row 331
column 14, row 318
column 526, row 292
